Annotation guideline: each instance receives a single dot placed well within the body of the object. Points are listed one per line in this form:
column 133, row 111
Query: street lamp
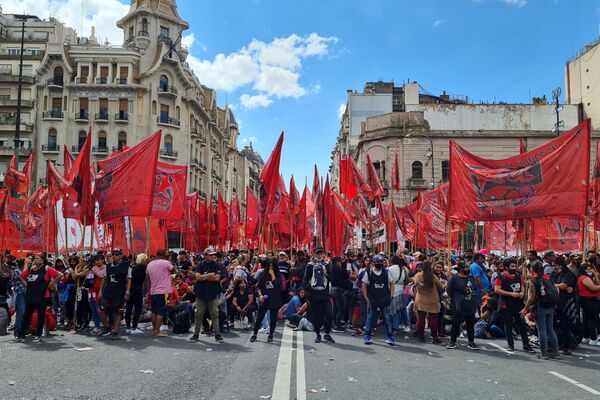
column 431, row 151
column 17, row 140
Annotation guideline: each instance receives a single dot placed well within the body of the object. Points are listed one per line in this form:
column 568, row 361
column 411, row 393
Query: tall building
column 125, row 93
column 582, row 86
column 384, row 119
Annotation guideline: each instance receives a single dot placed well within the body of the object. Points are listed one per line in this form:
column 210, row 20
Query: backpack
column 182, row 321
column 318, row 281
column 550, row 298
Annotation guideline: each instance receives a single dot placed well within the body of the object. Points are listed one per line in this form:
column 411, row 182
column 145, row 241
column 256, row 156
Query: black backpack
column 182, row 321
column 551, row 297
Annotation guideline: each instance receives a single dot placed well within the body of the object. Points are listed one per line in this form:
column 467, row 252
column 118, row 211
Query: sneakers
column 594, row 343
column 436, row 341
column 567, row 352
column 195, row 337
column 318, row 339
column 407, row 328
column 528, row 349
column 473, row 346
column 264, row 330
column 511, row 347
column 114, row 335
column 357, row 332
column 105, row 333
column 219, row 338
column 585, row 340
column 252, row 338
column 543, row 356
column 390, row 340
column 337, row 329
column 368, row 339
column 270, row 338
column 556, row 356
column 451, row 345
column 18, row 339
column 328, row 338
column 36, row 340
column 137, row 332
column 128, row 331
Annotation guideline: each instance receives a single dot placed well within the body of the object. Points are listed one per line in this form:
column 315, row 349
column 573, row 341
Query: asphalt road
column 292, row 367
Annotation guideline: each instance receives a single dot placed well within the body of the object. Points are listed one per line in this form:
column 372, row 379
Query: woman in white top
column 399, row 272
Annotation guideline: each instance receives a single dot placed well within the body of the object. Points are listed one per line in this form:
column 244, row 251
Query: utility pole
column 19, row 90
column 556, row 100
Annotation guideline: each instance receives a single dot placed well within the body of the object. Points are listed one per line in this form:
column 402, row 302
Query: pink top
column 159, row 272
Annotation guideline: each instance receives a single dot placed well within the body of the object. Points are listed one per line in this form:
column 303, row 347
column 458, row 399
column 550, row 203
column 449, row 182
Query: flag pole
column 148, row 219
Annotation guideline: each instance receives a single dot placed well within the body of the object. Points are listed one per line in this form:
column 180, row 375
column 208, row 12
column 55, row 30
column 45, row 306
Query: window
column 417, row 170
column 34, row 52
column 380, row 168
column 58, row 75
column 164, row 31
column 168, row 144
column 102, row 140
column 103, row 75
column 27, row 70
column 5, row 69
column 130, row 33
column 52, row 144
column 104, row 108
column 13, row 51
column 85, row 72
column 83, row 108
column 164, row 83
column 122, row 142
column 123, row 73
column 123, row 109
column 153, row 107
column 81, row 139
column 164, row 113
column 445, row 170
column 56, row 104
column 145, row 25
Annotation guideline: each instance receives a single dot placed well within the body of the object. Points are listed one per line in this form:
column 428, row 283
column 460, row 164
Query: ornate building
column 125, row 93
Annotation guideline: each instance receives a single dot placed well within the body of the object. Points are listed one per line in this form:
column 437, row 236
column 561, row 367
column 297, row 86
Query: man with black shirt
column 378, row 290
column 316, row 285
column 510, row 286
column 183, row 261
column 351, row 294
column 208, row 275
column 461, row 289
column 297, row 270
column 114, row 292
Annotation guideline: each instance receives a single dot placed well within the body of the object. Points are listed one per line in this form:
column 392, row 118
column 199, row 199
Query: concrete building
column 582, row 85
column 488, row 130
column 127, row 92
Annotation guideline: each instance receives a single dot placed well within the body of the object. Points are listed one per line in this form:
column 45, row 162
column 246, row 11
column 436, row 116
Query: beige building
column 582, row 81
column 487, row 130
column 127, row 92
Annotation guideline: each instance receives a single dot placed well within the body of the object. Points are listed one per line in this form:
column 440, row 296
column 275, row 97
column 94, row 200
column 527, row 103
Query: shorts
column 111, row 306
column 158, row 304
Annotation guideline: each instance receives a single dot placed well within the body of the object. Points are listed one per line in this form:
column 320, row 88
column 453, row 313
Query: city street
column 292, row 367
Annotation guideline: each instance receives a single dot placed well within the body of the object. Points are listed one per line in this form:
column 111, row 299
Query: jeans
column 94, row 308
column 19, row 311
column 339, row 304
column 372, row 319
column 545, row 327
column 320, row 315
column 213, row 310
column 457, row 319
column 508, row 316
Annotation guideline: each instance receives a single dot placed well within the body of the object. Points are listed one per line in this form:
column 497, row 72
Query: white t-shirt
column 365, row 278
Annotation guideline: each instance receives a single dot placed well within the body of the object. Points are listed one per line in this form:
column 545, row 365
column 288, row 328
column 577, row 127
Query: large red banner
column 549, row 180
column 169, row 191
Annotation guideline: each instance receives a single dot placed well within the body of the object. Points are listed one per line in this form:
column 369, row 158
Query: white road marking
column 282, row 384
column 501, row 348
column 574, row 382
column 300, row 373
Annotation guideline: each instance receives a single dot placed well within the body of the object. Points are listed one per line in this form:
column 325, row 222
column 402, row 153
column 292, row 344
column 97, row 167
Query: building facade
column 127, row 92
column 582, row 86
column 419, row 129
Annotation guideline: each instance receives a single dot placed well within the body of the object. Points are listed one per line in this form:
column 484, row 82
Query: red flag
column 234, row 222
column 16, row 180
column 294, row 196
column 550, row 180
column 326, row 213
column 251, row 218
column 373, row 179
column 169, row 191
column 316, row 190
column 270, row 179
column 500, row 236
column 396, row 172
column 81, row 206
column 408, row 217
column 348, row 186
column 139, row 235
column 561, row 234
column 306, row 217
column 522, row 146
column 359, row 180
column 68, row 161
column 127, row 189
column 222, row 219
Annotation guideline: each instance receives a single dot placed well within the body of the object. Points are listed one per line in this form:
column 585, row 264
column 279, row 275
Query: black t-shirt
column 569, row 278
column 339, row 277
column 138, row 276
column 209, row 290
column 242, row 299
column 115, row 282
column 185, row 265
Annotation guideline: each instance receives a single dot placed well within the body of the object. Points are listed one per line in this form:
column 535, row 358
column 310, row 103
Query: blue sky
column 286, row 65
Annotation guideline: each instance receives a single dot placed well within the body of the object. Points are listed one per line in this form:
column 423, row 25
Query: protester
column 317, row 286
column 269, row 296
column 19, row 302
column 158, row 281
column 243, row 302
column 378, row 290
column 481, row 279
column 427, row 301
column 340, row 283
column 115, row 291
column 462, row 290
column 399, row 272
column 567, row 311
column 588, row 286
column 133, row 307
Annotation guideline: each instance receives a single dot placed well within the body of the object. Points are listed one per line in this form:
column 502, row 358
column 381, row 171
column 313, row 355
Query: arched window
column 58, row 75
column 177, row 112
column 164, row 83
column 122, row 142
column 417, row 170
column 102, row 140
column 144, row 26
column 169, row 144
column 81, row 139
column 153, row 107
column 52, row 144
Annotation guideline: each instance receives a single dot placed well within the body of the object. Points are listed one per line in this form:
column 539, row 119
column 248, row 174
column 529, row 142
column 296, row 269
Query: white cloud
column 438, row 22
column 252, row 102
column 341, row 110
column 103, row 14
column 250, row 139
column 273, row 69
column 188, row 40
column 517, row 3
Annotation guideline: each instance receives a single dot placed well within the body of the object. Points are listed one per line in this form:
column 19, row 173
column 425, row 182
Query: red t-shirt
column 583, row 290
column 51, row 273
column 182, row 289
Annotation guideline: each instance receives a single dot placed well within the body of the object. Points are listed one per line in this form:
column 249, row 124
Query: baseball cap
column 117, row 252
column 282, row 253
column 210, row 251
column 318, row 250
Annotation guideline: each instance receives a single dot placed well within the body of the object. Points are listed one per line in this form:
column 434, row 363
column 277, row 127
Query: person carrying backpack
column 378, row 290
column 544, row 294
column 316, row 285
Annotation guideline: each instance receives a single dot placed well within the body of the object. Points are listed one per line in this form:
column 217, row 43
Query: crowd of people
column 550, row 302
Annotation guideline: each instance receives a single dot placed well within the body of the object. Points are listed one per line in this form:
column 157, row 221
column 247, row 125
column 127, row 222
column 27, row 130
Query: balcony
column 50, row 148
column 8, row 124
column 99, row 149
column 194, row 133
column 122, row 116
column 167, row 90
column 168, row 153
column 202, row 166
column 8, row 150
column 6, row 101
column 201, row 140
column 82, row 79
column 53, row 115
column 103, row 80
column 418, row 183
column 168, row 121
column 82, row 116
column 143, row 33
column 6, row 76
column 56, row 82
column 213, row 146
column 121, row 81
column 101, row 117
column 76, row 149
column 194, row 163
column 218, row 155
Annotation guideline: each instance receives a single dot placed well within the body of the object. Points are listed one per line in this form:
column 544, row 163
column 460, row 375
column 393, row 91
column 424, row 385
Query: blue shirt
column 290, row 311
column 18, row 286
column 477, row 271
